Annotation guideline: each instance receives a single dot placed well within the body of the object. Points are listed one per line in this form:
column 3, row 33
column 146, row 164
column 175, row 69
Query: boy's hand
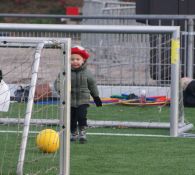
column 97, row 101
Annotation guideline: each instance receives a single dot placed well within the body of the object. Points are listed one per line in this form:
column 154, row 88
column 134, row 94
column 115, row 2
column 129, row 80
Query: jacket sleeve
column 92, row 86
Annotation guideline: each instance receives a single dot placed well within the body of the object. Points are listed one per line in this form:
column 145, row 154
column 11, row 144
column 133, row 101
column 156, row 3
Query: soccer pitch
column 115, row 153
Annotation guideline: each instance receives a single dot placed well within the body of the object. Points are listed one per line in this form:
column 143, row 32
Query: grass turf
column 133, row 155
column 108, row 154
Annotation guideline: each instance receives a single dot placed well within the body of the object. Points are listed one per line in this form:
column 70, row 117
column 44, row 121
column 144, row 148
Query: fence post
column 190, row 61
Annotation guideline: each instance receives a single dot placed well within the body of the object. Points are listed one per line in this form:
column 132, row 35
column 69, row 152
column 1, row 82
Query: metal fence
column 116, row 8
column 186, row 22
column 98, row 7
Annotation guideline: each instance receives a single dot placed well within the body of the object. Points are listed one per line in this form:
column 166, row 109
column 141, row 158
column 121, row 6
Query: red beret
column 80, row 51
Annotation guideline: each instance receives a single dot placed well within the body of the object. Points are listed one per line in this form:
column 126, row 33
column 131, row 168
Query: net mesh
column 17, row 71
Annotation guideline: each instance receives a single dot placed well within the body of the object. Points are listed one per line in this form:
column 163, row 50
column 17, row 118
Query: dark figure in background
column 188, row 86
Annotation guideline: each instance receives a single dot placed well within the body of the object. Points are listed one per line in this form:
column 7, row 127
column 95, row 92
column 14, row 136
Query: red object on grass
column 161, row 98
column 72, row 11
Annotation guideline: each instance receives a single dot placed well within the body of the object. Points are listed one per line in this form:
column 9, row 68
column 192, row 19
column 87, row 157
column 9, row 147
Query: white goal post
column 38, row 45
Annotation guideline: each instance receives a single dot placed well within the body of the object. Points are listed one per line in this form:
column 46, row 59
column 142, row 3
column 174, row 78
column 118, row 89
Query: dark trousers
column 78, row 117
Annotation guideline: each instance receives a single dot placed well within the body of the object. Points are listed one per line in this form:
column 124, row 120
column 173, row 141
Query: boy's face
column 76, row 61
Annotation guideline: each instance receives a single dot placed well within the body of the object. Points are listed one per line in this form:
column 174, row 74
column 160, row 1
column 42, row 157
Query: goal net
column 126, row 65
column 29, row 104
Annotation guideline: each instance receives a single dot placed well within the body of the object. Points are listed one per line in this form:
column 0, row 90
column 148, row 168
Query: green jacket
column 83, row 84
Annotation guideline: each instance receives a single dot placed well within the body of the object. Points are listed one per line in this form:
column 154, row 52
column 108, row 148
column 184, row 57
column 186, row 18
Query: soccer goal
column 29, row 67
column 126, row 64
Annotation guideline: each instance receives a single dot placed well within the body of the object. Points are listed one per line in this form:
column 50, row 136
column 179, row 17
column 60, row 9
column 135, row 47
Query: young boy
column 83, row 85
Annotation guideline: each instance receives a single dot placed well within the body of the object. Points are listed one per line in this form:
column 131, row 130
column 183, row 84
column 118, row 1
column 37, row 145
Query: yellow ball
column 48, row 141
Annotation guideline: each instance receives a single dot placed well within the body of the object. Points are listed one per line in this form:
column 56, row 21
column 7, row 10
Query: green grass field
column 106, row 155
column 133, row 155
